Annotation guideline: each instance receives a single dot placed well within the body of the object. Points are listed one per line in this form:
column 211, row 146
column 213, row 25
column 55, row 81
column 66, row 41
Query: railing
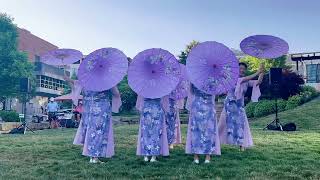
column 41, row 67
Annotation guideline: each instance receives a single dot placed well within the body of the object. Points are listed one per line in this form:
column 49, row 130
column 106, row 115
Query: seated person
column 78, row 112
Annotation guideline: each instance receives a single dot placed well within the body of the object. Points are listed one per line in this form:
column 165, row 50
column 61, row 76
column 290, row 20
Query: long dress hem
column 240, row 89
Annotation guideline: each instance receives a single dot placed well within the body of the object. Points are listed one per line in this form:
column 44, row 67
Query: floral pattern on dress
column 203, row 123
column 171, row 118
column 235, row 119
column 152, row 119
column 96, row 117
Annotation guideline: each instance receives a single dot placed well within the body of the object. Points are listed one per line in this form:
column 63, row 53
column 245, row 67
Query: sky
column 135, row 25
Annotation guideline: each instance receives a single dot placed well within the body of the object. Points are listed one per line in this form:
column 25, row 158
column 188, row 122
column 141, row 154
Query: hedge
column 128, row 97
column 294, row 101
column 266, row 107
column 313, row 92
column 250, row 109
column 9, row 116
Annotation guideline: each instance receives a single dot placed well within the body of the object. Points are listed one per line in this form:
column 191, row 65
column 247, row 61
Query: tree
column 183, row 57
column 14, row 64
column 254, row 63
column 128, row 96
column 184, row 54
column 292, row 85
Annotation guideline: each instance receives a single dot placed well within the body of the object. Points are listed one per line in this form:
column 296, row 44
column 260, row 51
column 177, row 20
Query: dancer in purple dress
column 152, row 138
column 95, row 132
column 202, row 135
column 173, row 120
column 233, row 123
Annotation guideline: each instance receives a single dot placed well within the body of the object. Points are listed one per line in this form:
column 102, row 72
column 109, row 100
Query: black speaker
column 275, row 76
column 24, row 85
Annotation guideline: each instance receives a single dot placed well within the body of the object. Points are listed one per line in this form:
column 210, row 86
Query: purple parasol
column 264, row 46
column 212, row 67
column 61, row 57
column 103, row 69
column 154, row 73
column 183, row 87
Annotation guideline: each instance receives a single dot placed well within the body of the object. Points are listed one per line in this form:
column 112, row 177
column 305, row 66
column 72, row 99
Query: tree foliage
column 254, row 63
column 184, row 54
column 128, row 96
column 14, row 64
column 291, row 82
column 291, row 85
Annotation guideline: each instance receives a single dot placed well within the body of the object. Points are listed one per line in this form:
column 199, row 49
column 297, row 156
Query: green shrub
column 128, row 97
column 9, row 116
column 250, row 109
column 306, row 96
column 264, row 107
column 311, row 91
column 282, row 105
column 293, row 102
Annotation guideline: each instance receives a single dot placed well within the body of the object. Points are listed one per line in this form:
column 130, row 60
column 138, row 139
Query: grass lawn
column 49, row 154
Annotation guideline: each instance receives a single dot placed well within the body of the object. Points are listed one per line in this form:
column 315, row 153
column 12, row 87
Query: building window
column 313, row 73
column 50, row 83
column 37, row 58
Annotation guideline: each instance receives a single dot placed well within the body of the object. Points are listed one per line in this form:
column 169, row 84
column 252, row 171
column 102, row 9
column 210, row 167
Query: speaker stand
column 25, row 127
column 24, row 123
column 276, row 121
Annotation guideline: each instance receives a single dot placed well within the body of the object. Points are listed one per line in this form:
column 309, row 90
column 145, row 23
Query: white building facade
column 307, row 65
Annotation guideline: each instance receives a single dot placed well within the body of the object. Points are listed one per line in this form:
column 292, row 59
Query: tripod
column 24, row 124
column 276, row 121
column 275, row 80
column 25, row 127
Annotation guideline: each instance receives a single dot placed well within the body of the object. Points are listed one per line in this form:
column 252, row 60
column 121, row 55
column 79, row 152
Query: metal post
column 25, row 114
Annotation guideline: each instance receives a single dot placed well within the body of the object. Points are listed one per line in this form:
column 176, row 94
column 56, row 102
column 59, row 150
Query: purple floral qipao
column 202, row 136
column 95, row 131
column 152, row 138
column 173, row 120
column 233, row 123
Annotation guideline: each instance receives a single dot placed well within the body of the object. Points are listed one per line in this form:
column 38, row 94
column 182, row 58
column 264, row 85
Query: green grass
column 49, row 154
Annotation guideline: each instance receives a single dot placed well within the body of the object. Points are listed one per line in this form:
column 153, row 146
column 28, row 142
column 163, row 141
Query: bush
column 293, row 102
column 250, row 109
column 9, row 116
column 282, row 105
column 264, row 107
column 305, row 96
column 290, row 87
column 310, row 89
column 128, row 97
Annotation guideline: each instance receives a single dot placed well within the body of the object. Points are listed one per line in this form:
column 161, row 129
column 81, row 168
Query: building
column 73, row 68
column 49, row 79
column 307, row 65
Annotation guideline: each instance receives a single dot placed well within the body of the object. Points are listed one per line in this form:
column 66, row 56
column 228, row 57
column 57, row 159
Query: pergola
column 304, row 57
